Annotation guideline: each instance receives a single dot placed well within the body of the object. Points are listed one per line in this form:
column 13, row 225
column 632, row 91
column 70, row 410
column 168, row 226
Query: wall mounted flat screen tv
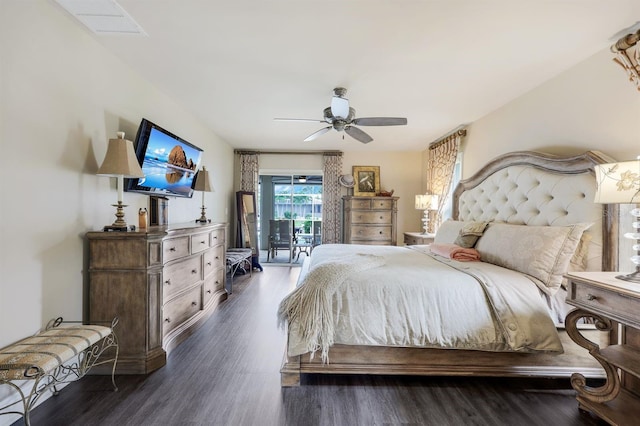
column 169, row 163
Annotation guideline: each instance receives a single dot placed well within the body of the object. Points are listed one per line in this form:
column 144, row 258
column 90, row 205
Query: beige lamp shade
column 202, row 182
column 120, row 159
column 618, row 183
column 426, row 202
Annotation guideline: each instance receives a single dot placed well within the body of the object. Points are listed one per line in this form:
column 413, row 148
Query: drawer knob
column 381, row 217
column 168, row 282
column 193, row 303
column 167, row 320
column 215, row 238
column 591, row 297
column 172, row 249
column 380, row 232
column 194, row 271
column 209, row 291
column 217, row 257
column 208, row 263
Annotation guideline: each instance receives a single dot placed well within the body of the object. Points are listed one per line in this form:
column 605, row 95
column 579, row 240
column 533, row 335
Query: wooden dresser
column 370, row 220
column 615, row 304
column 161, row 283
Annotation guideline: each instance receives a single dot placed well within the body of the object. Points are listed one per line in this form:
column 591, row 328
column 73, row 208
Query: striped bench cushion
column 37, row 355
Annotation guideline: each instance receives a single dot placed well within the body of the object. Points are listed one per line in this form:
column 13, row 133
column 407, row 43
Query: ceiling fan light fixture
column 339, row 107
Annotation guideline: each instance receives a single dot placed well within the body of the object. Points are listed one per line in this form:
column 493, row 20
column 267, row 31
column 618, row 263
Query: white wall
column 591, row 106
column 400, row 171
column 62, row 97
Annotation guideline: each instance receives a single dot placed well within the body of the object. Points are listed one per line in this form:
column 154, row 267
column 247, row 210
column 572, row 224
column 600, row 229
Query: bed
column 366, row 309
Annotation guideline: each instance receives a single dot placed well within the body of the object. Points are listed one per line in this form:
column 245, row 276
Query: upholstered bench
column 60, row 354
column 238, row 258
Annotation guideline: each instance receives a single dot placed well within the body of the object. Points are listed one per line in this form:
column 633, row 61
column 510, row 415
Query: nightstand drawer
column 411, row 239
column 603, row 301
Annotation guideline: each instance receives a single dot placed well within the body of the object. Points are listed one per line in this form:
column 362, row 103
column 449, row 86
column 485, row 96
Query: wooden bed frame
column 345, row 359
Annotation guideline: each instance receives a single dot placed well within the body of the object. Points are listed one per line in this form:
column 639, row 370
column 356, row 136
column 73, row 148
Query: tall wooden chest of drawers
column 370, row 220
column 161, row 283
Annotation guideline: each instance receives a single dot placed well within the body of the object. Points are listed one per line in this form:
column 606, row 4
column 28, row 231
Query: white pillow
column 448, row 231
column 543, row 252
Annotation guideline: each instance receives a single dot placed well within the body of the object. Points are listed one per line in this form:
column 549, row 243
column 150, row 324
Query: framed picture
column 367, row 181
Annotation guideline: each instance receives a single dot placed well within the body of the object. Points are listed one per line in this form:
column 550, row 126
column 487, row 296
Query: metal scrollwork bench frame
column 58, row 355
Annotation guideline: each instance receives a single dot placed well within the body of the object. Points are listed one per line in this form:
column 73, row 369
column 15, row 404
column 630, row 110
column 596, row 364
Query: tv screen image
column 169, row 163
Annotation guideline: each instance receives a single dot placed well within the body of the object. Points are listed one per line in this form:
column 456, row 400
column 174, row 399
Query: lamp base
column 633, row 277
column 203, row 217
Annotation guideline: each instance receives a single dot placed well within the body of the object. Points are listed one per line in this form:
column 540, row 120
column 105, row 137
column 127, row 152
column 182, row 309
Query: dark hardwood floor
column 227, row 373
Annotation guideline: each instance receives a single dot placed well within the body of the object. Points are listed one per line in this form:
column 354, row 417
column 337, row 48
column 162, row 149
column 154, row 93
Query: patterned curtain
column 331, row 211
column 249, row 169
column 440, row 167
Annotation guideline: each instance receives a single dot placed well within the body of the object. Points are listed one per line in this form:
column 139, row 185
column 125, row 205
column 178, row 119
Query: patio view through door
column 291, row 217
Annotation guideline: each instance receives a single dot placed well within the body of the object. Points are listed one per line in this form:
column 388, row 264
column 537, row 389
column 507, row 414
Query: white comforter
column 403, row 296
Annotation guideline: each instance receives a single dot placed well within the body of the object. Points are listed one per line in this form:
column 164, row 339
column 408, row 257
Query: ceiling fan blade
column 299, row 119
column 358, row 134
column 380, row 121
column 314, row 135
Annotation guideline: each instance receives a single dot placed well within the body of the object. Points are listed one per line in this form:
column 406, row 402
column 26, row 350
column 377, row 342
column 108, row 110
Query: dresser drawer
column 379, row 204
column 604, row 301
column 359, row 203
column 212, row 285
column 199, row 242
column 216, row 237
column 213, row 259
column 376, row 233
column 181, row 274
column 382, row 217
column 180, row 309
column 175, row 248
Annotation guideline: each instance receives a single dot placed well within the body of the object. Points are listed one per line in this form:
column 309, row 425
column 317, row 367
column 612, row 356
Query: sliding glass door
column 292, row 217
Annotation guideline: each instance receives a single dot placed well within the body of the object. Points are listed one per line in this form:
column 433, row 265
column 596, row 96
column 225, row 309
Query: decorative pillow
column 543, row 252
column 470, row 233
column 448, row 231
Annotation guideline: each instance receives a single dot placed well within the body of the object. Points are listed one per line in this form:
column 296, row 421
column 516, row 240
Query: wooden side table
column 417, row 238
column 610, row 301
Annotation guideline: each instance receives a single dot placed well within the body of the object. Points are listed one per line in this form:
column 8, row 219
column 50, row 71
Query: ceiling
column 237, row 65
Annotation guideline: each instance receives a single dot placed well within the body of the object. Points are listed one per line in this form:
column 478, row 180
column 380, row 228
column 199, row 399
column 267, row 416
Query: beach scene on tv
column 169, row 164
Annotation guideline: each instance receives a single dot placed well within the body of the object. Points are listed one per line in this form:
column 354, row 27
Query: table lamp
column 120, row 162
column 202, row 184
column 619, row 183
column 426, row 202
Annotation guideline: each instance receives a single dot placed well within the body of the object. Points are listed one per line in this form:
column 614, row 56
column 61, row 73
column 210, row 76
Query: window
column 447, row 213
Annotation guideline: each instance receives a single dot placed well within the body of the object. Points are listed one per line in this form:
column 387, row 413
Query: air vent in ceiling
column 102, row 16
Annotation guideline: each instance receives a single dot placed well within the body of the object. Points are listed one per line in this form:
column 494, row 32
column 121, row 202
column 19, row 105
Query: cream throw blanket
column 311, row 304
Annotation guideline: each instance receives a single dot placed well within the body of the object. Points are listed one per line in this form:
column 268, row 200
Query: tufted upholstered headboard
column 532, row 188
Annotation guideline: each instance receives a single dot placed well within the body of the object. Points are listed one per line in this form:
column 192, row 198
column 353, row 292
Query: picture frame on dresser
column 367, row 180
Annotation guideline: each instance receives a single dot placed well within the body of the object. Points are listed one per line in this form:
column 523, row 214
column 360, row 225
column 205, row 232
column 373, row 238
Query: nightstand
column 608, row 300
column 417, row 238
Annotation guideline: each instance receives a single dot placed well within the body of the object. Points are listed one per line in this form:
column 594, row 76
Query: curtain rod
column 244, row 151
column 458, row 131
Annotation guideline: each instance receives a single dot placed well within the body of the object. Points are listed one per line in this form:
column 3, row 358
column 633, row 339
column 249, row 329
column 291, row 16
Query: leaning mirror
column 247, row 236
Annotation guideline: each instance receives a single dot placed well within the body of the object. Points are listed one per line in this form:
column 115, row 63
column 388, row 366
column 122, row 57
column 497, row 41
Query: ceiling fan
column 341, row 117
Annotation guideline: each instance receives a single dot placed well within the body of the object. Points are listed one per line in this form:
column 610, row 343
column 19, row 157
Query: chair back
column 317, row 233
